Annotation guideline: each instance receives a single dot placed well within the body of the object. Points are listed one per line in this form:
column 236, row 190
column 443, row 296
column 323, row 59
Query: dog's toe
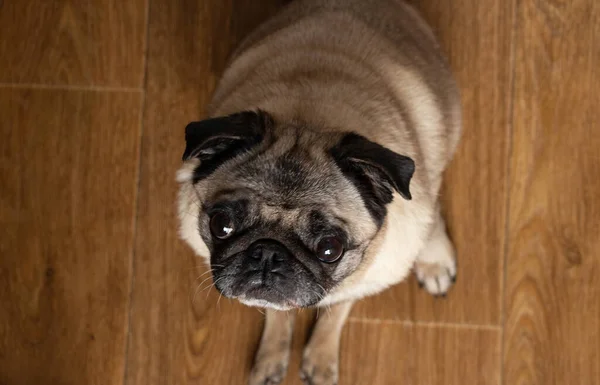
column 268, row 372
column 319, row 370
column 436, row 277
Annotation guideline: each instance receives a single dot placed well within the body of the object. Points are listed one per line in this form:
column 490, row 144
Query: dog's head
column 283, row 212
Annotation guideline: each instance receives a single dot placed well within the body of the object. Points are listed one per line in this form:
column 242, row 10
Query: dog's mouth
column 267, row 297
column 253, row 290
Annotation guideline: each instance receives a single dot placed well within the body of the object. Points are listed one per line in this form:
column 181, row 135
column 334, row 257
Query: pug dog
column 314, row 180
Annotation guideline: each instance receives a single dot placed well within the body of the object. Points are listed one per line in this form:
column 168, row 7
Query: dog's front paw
column 269, row 369
column 319, row 368
column 435, row 266
column 436, row 277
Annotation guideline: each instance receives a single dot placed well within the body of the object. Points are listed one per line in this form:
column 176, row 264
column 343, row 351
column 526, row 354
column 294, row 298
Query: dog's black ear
column 217, row 140
column 375, row 171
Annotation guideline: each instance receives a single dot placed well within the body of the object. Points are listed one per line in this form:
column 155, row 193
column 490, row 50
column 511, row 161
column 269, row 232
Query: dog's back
column 373, row 67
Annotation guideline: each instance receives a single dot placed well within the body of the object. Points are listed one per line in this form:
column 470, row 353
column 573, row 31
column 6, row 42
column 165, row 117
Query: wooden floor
column 96, row 288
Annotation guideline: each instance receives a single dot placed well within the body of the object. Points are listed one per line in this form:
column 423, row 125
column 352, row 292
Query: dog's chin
column 266, row 296
column 263, row 303
column 259, row 294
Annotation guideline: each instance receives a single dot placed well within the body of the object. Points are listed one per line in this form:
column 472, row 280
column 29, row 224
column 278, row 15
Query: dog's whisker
column 211, row 270
column 205, row 279
column 203, row 274
column 213, row 284
column 208, row 287
column 196, row 293
column 199, row 290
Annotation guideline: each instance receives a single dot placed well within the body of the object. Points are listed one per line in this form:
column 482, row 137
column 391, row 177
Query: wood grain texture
column 391, row 353
column 476, row 36
column 396, row 353
column 68, row 170
column 71, row 42
column 552, row 331
column 178, row 336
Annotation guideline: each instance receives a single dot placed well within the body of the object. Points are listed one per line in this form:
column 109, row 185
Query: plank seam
column 137, row 196
column 66, row 87
column 510, row 134
column 429, row 324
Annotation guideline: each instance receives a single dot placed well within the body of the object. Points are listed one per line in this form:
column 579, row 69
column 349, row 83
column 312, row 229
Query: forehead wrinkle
column 233, row 193
column 286, row 142
column 294, row 167
column 294, row 219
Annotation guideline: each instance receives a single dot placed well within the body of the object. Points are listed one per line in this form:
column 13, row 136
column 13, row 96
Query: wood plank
column 71, row 42
column 552, row 331
column 68, row 170
column 179, row 337
column 375, row 352
column 396, row 353
column 477, row 38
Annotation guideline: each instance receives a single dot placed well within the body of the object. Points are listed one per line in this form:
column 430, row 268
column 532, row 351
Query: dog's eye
column 221, row 225
column 330, row 249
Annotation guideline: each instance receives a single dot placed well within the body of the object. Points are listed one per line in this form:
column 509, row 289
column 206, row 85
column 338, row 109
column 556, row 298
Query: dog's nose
column 269, row 252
